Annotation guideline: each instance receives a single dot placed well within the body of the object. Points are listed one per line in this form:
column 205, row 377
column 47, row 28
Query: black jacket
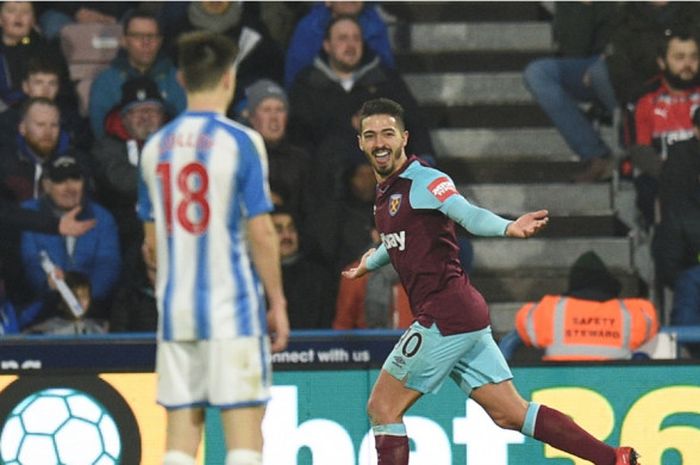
column 321, row 108
column 310, row 292
column 677, row 242
column 677, row 238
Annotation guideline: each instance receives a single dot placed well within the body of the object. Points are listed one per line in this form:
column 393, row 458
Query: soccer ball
column 60, row 426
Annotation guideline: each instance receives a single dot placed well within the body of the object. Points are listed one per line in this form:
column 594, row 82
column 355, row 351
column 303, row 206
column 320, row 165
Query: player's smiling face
column 383, row 142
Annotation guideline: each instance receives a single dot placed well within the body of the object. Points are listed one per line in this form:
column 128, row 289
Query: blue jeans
column 686, row 298
column 557, row 86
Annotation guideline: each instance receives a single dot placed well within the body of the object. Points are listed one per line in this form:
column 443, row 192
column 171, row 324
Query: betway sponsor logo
column 442, row 188
column 330, row 442
column 397, row 239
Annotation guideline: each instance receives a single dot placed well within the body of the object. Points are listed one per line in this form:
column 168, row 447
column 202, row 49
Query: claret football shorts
column 223, row 373
column 423, row 358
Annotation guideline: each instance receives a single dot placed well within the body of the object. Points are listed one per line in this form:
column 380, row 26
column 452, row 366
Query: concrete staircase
column 464, row 61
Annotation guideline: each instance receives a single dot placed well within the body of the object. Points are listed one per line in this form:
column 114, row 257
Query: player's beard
column 391, row 165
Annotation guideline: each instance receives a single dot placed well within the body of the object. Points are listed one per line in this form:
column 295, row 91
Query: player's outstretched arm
column 528, row 224
column 264, row 246
column 361, row 269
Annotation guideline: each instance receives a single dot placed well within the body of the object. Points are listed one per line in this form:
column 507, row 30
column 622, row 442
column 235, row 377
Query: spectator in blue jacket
column 95, row 253
column 14, row 318
column 140, row 56
column 309, row 33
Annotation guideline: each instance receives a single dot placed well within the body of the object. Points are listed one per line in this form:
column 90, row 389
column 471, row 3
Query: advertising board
column 317, row 413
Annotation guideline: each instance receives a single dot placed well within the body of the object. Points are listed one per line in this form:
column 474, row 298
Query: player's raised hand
column 278, row 322
column 361, row 269
column 528, row 225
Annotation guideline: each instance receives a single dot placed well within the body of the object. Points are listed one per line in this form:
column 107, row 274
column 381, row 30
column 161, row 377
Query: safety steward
column 589, row 322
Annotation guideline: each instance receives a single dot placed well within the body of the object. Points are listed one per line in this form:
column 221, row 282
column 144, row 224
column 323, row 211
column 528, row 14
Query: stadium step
column 585, row 226
column 505, row 171
column 503, row 315
column 530, row 284
column 483, row 36
column 561, row 199
column 510, row 143
column 508, row 115
column 465, row 61
column 468, row 88
column 471, row 11
column 580, row 226
column 509, row 254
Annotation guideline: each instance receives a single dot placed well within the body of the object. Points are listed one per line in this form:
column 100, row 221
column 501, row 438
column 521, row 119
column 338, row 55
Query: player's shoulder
column 248, row 140
column 423, row 175
column 155, row 139
column 239, row 130
column 430, row 186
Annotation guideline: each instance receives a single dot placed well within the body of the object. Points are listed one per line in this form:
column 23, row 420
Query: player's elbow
column 261, row 232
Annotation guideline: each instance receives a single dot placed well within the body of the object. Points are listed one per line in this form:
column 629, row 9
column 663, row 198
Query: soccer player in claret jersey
column 415, row 211
column 204, row 182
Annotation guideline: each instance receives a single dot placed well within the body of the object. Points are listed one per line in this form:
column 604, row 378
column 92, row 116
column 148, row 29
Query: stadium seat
column 88, row 49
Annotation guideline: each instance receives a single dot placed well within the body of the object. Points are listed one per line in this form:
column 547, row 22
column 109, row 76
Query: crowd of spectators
column 634, row 66
column 68, row 179
column 69, row 160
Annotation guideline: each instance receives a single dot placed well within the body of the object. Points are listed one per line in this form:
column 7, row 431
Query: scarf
column 201, row 19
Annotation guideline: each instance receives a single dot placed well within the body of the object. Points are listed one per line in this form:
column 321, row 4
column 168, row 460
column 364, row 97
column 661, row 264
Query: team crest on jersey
column 442, row 188
column 394, row 204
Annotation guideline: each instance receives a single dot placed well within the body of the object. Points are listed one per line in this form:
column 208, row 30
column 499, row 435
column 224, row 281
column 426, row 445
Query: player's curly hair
column 383, row 106
column 203, row 58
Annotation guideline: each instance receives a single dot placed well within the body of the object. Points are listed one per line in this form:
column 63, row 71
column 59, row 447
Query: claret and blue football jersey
column 415, row 212
column 202, row 175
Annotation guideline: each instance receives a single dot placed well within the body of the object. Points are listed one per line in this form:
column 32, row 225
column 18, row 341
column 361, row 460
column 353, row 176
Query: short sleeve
column 431, row 189
column 252, row 176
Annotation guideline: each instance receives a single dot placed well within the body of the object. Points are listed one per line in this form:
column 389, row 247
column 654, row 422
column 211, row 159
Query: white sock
column 175, row 457
column 243, row 457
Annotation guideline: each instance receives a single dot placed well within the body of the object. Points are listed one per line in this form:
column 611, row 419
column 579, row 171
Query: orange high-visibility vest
column 576, row 329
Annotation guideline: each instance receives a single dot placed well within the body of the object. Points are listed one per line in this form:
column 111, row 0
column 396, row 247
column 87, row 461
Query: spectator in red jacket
column 663, row 117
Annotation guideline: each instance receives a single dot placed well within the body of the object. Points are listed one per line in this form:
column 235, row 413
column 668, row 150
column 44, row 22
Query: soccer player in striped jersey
column 205, row 201
column 415, row 212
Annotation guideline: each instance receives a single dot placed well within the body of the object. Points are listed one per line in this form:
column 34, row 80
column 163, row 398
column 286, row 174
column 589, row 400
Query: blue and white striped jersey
column 202, row 175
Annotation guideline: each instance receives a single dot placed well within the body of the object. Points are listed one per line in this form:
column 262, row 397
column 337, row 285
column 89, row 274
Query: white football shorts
column 222, row 373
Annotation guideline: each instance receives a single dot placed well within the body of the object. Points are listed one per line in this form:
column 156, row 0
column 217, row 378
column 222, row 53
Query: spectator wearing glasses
column 140, row 56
